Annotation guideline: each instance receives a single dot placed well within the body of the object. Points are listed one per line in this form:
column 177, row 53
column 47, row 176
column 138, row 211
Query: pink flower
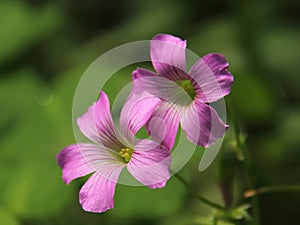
column 185, row 95
column 112, row 151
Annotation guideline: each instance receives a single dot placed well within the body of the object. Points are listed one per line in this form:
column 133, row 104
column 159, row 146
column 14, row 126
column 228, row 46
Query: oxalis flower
column 112, row 151
column 185, row 96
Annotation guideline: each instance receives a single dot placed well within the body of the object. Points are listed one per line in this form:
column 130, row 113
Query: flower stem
column 275, row 188
column 215, row 221
column 210, row 203
column 198, row 197
column 247, row 162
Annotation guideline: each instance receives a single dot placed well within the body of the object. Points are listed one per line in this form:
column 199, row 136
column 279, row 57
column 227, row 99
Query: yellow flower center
column 126, row 154
column 188, row 87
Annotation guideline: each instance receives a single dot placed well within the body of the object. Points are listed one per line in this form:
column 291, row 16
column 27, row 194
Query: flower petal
column 100, row 158
column 150, row 163
column 142, row 73
column 161, row 87
column 168, row 56
column 136, row 112
column 72, row 162
column 81, row 159
column 97, row 124
column 212, row 77
column 202, row 124
column 97, row 194
column 163, row 124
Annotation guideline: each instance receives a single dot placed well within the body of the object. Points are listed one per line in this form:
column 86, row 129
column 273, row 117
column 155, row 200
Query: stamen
column 126, row 154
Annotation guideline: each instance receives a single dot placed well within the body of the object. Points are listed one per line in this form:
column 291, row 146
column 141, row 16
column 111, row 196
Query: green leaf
column 6, row 218
column 237, row 213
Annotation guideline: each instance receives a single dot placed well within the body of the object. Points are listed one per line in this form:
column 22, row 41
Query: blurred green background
column 45, row 47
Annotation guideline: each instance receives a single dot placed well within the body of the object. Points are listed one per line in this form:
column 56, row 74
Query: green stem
column 234, row 122
column 215, row 221
column 182, row 180
column 248, row 162
column 198, row 197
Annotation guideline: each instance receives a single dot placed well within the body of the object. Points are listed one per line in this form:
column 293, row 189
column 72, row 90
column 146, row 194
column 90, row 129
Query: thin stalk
column 215, row 221
column 247, row 164
column 269, row 189
column 198, row 197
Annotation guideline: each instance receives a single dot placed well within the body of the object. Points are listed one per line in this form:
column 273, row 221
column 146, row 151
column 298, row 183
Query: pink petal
column 81, row 159
column 141, row 73
column 150, row 163
column 136, row 112
column 212, row 77
column 161, row 87
column 97, row 124
column 72, row 162
column 97, row 194
column 202, row 124
column 100, row 158
column 163, row 124
column 168, row 56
